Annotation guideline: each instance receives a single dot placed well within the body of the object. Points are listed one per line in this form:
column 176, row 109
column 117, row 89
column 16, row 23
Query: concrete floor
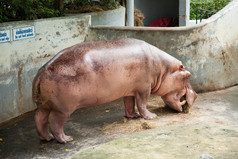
column 209, row 130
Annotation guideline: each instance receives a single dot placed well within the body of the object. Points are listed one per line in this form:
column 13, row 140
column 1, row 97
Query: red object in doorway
column 163, row 22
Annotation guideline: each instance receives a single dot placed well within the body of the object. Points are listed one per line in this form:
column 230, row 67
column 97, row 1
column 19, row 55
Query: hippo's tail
column 36, row 88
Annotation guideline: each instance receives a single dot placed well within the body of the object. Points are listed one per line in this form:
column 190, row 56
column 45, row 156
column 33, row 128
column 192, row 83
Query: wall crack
column 20, row 87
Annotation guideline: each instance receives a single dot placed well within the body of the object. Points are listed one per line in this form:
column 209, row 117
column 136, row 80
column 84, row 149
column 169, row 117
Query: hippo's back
column 88, row 56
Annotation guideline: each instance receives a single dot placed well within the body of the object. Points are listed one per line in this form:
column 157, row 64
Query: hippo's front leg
column 141, row 101
column 129, row 103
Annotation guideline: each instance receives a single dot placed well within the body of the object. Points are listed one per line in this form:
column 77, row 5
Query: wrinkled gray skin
column 97, row 72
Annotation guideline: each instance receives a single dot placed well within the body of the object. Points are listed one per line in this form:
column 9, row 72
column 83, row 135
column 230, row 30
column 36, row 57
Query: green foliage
column 107, row 3
column 110, row 4
column 12, row 10
column 27, row 9
column 90, row 5
column 213, row 5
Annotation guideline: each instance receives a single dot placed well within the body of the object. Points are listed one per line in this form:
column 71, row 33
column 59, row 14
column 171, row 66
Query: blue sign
column 5, row 36
column 23, row 32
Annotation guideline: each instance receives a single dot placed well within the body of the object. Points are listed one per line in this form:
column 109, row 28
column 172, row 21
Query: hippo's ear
column 191, row 95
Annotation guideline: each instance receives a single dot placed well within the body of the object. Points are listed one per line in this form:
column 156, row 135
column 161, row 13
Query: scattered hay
column 95, row 8
column 146, row 125
column 138, row 17
column 166, row 117
column 129, row 126
column 185, row 108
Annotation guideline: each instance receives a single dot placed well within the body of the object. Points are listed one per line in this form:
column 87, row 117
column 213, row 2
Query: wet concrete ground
column 211, row 128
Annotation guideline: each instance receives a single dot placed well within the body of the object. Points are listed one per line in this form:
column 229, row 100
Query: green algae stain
column 180, row 141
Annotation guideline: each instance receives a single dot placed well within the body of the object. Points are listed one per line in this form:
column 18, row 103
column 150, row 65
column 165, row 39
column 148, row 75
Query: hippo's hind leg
column 57, row 120
column 141, row 101
column 129, row 103
column 42, row 125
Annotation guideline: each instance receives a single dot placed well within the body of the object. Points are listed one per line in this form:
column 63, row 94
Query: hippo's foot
column 148, row 115
column 47, row 137
column 133, row 115
column 64, row 138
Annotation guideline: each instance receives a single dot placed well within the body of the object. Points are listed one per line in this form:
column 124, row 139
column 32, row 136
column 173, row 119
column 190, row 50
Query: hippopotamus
column 97, row 72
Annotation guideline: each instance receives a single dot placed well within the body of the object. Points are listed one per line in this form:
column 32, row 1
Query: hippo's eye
column 181, row 67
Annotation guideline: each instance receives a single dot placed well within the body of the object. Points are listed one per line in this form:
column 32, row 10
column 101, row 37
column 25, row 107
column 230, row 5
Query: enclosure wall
column 208, row 50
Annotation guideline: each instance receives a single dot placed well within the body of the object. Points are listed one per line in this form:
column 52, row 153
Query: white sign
column 5, row 36
column 23, row 32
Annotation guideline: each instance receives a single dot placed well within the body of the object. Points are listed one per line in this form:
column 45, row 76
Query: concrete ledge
column 115, row 17
column 208, row 50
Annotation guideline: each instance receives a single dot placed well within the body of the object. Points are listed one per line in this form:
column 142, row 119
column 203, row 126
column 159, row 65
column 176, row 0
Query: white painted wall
column 114, row 17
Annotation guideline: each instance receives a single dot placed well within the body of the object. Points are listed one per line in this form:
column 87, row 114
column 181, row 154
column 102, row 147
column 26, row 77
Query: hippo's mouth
column 184, row 104
column 183, row 100
column 178, row 103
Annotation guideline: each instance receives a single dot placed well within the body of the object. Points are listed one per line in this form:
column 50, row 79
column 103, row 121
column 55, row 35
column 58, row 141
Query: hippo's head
column 176, row 86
